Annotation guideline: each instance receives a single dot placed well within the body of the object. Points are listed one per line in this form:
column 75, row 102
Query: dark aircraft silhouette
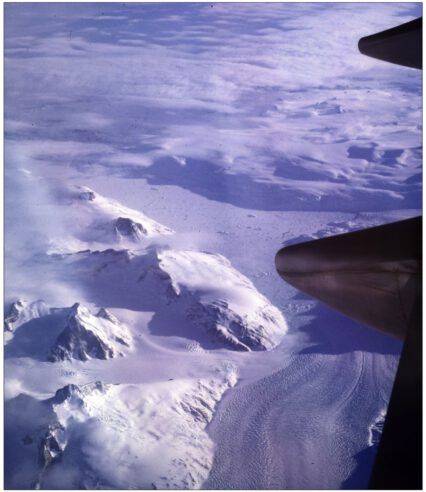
column 375, row 276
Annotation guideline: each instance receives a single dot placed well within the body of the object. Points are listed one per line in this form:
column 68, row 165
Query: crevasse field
column 157, row 156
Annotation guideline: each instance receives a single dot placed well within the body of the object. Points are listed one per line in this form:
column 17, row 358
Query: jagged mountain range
column 113, row 254
column 131, row 423
column 202, row 287
column 76, row 332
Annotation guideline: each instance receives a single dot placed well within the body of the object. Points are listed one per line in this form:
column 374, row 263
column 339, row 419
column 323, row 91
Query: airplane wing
column 372, row 275
column 401, row 45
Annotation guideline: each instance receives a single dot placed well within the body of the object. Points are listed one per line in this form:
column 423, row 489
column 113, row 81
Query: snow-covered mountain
column 87, row 336
column 221, row 300
column 158, row 427
column 143, row 429
column 95, row 221
column 206, row 296
column 22, row 311
column 60, row 334
column 217, row 305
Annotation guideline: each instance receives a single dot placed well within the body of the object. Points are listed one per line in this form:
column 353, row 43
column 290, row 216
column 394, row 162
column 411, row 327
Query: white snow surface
column 157, row 156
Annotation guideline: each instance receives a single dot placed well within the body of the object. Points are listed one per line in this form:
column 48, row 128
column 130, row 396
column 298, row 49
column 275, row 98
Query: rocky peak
column 105, row 314
column 77, row 310
column 12, row 317
column 86, row 194
column 86, row 336
column 51, row 445
column 74, row 391
column 22, row 311
column 129, row 229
